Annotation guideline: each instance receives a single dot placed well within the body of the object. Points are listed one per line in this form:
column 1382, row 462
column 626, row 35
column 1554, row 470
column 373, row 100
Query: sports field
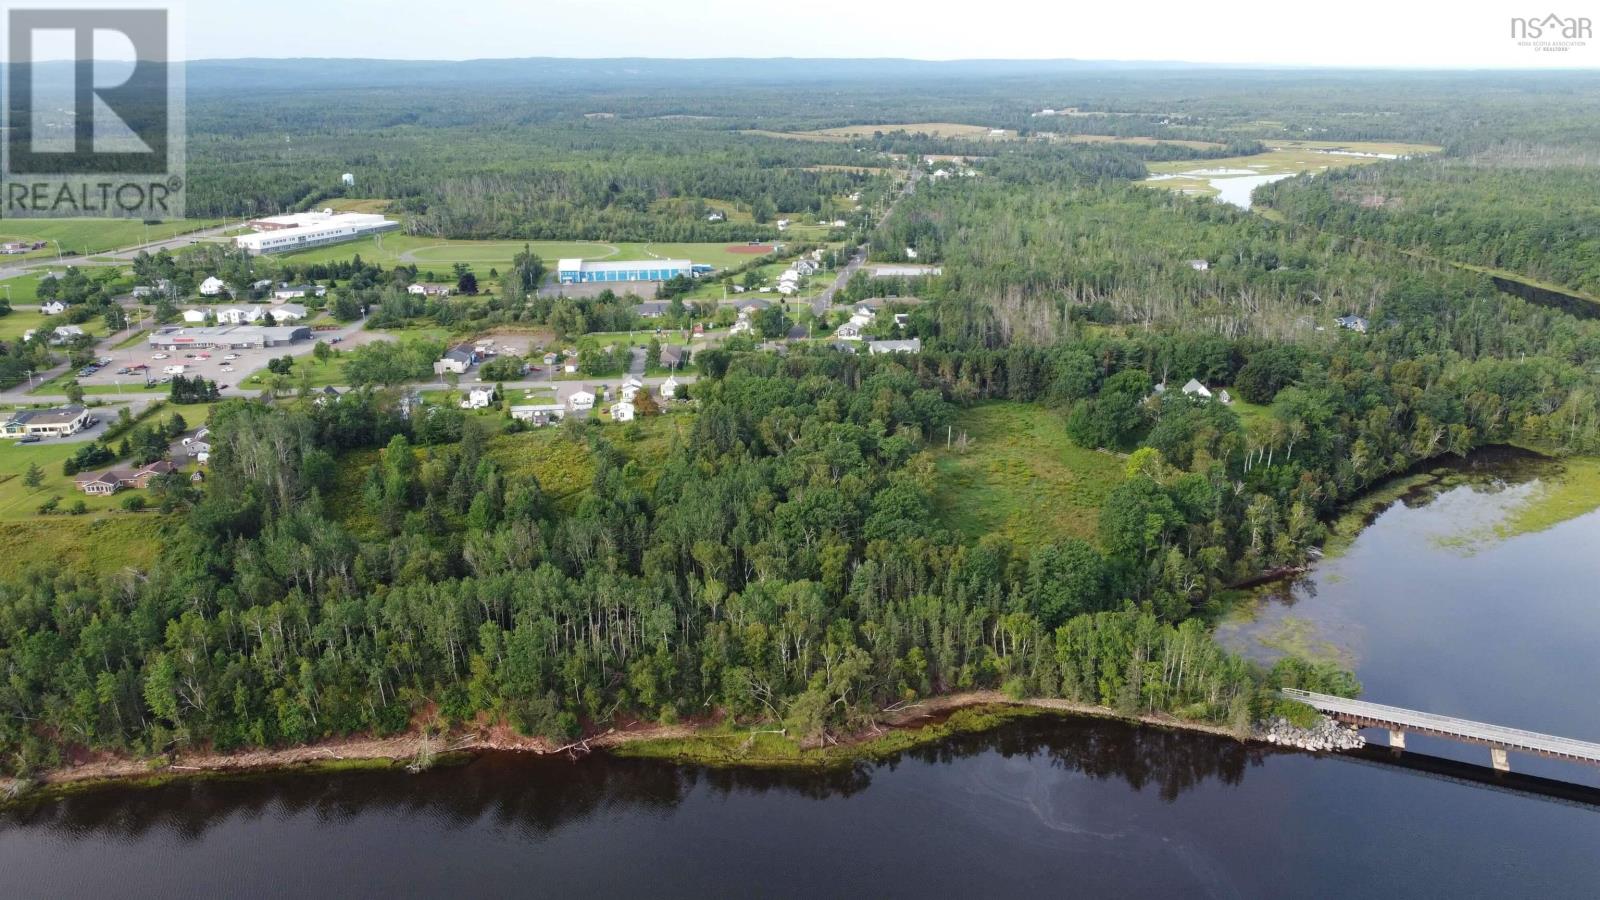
column 86, row 236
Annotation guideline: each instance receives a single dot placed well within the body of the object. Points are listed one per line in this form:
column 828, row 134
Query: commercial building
column 233, row 337
column 582, row 271
column 62, row 420
column 282, row 234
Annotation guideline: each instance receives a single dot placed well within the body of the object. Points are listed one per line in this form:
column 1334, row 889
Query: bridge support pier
column 1497, row 755
column 1397, row 739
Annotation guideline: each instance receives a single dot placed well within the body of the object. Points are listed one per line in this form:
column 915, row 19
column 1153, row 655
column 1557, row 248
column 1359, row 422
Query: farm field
column 1283, row 159
column 1021, row 477
column 83, row 237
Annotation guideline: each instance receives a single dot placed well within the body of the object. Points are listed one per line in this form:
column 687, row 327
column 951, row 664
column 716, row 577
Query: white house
column 911, row 253
column 580, row 400
column 783, row 224
column 429, row 289
column 622, row 411
column 787, row 288
column 65, row 333
column 194, row 316
column 539, row 413
column 456, row 360
column 239, row 315
column 478, row 398
column 53, row 308
column 1195, row 389
column 1200, row 265
column 877, row 348
column 669, row 388
column 288, row 312
column 213, row 286
column 298, row 292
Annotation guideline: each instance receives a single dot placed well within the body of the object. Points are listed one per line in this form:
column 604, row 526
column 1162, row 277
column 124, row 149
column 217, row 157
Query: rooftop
column 588, row 265
column 61, row 415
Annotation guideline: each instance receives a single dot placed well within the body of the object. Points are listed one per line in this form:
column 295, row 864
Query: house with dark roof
column 456, row 360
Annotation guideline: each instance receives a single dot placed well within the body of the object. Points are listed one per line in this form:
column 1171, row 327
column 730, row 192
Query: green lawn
column 1022, row 477
column 88, row 236
column 323, row 372
column 439, row 255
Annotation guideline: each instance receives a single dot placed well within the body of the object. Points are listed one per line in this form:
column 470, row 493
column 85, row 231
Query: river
column 1432, row 609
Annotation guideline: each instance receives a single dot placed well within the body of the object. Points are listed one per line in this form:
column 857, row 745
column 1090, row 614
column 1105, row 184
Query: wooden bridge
column 1498, row 738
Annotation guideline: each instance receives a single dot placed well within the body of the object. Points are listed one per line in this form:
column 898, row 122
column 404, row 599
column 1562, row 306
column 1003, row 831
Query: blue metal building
column 579, row 271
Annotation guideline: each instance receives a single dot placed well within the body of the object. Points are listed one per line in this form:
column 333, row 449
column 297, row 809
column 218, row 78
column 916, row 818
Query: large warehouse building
column 582, row 271
column 233, row 337
column 297, row 231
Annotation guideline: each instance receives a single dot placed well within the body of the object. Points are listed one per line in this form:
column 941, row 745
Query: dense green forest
column 771, row 551
column 1532, row 212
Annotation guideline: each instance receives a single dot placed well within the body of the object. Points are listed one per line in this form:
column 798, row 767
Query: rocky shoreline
column 1326, row 735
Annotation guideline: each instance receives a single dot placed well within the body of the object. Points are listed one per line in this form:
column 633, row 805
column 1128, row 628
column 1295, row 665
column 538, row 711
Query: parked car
column 29, row 439
column 159, row 356
column 231, row 356
column 226, row 369
column 336, row 340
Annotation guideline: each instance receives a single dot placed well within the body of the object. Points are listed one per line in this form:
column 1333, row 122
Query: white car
column 226, row 369
column 231, row 356
column 159, row 356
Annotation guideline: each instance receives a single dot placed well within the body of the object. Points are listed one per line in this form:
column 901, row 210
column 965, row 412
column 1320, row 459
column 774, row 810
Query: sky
column 1363, row 33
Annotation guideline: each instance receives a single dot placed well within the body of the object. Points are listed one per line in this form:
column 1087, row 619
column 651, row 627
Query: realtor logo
column 1552, row 33
column 93, row 115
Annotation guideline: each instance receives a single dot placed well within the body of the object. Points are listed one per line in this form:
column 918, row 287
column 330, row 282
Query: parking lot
column 214, row 365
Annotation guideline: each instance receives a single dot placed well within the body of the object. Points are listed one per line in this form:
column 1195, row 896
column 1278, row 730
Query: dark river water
column 1431, row 612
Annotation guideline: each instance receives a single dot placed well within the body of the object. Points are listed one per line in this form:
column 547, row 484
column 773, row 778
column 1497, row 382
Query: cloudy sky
column 1404, row 33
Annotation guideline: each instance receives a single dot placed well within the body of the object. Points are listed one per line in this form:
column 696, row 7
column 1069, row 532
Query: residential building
column 654, row 309
column 278, row 234
column 622, row 411
column 64, row 334
column 1199, row 265
column 53, row 308
column 669, row 389
column 213, row 286
column 914, row 345
column 456, row 360
column 288, row 313
column 196, row 316
column 580, row 400
column 297, row 292
column 113, row 480
column 430, row 289
column 1354, row 323
column 238, row 315
column 539, row 413
column 1194, row 388
column 478, row 398
column 329, row 394
column 580, row 271
column 674, row 357
column 62, row 420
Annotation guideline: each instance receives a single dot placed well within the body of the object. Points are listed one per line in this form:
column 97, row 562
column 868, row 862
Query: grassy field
column 439, row 255
column 21, row 320
column 1281, row 158
column 1136, row 141
column 107, row 543
column 1022, row 477
column 87, row 236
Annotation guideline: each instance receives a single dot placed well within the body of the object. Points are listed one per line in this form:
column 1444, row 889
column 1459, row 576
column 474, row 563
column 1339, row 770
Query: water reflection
column 537, row 796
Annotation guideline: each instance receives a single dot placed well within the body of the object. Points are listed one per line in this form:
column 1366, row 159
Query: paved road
column 824, row 300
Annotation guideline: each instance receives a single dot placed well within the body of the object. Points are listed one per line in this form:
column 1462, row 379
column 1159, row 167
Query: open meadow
column 1021, row 477
column 83, row 237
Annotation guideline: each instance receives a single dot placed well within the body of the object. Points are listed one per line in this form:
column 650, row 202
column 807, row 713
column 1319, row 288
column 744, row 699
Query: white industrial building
column 297, row 231
column 229, row 336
